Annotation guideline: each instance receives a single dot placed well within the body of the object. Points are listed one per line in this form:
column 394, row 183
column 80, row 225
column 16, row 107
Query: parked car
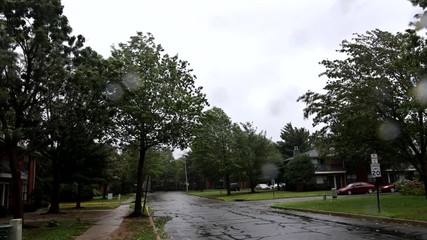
column 388, row 188
column 357, row 187
column 234, row 187
column 262, row 186
column 280, row 186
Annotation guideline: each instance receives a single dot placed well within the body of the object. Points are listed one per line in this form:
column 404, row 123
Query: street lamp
column 185, row 171
column 186, row 179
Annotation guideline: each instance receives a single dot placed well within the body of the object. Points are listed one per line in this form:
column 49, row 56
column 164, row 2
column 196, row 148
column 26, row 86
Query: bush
column 408, row 187
column 299, row 173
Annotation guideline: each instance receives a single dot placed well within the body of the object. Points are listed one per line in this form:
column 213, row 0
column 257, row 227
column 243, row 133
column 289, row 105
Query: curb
column 156, row 231
column 400, row 221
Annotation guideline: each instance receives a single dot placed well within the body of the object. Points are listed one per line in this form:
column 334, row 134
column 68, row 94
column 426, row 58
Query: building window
column 25, row 191
column 319, row 180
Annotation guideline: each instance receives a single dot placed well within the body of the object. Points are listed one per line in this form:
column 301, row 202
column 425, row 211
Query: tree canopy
column 293, row 137
column 35, row 53
column 375, row 99
column 157, row 101
column 213, row 146
column 299, row 171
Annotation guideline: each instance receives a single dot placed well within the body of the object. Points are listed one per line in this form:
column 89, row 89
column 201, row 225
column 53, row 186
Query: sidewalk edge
column 156, row 231
column 360, row 216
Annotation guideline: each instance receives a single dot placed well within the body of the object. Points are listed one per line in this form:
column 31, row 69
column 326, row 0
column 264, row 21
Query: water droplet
column 114, row 91
column 131, row 81
column 421, row 91
column 388, row 131
column 423, row 20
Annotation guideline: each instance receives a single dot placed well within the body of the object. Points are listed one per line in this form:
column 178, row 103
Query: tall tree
column 253, row 150
column 375, row 98
column 76, row 113
column 299, row 171
column 293, row 137
column 35, row 45
column 84, row 163
column 158, row 102
column 213, row 146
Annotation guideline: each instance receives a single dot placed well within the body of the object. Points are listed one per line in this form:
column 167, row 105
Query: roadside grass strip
column 246, row 195
column 56, row 230
column 97, row 202
column 392, row 206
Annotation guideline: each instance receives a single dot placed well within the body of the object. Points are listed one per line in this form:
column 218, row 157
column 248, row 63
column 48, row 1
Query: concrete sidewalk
column 110, row 223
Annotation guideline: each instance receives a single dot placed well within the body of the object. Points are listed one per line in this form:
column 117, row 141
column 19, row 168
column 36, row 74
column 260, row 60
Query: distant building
column 27, row 164
column 329, row 172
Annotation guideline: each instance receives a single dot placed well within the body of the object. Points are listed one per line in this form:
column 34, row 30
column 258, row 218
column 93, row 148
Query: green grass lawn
column 246, row 195
column 393, row 206
column 56, row 230
column 68, row 229
column 97, row 202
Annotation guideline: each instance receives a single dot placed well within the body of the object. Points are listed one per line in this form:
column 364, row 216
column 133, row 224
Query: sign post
column 376, row 173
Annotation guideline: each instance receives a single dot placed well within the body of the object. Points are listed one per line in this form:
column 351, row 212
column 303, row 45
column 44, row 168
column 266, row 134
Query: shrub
column 299, row 172
column 408, row 187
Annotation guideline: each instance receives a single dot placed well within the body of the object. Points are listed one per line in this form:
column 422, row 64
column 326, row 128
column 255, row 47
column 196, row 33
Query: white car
column 262, row 186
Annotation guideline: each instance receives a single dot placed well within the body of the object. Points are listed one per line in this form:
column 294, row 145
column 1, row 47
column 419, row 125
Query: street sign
column 375, row 170
column 374, row 158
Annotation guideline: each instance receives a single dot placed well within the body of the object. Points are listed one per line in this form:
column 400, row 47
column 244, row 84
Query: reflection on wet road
column 201, row 218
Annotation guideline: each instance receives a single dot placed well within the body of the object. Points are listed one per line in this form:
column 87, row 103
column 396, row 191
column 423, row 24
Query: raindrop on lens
column 424, row 20
column 421, row 91
column 114, row 91
column 388, row 131
column 131, row 81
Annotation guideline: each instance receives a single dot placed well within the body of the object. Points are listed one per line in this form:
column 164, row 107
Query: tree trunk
column 104, row 191
column 54, row 198
column 252, row 184
column 16, row 181
column 138, row 207
column 227, row 184
column 424, row 175
column 78, row 193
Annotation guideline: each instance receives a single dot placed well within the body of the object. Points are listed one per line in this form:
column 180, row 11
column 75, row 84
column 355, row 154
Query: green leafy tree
column 160, row 166
column 157, row 101
column 35, row 48
column 420, row 18
column 293, row 137
column 299, row 171
column 74, row 114
column 213, row 146
column 252, row 151
column 420, row 3
column 375, row 99
column 84, row 163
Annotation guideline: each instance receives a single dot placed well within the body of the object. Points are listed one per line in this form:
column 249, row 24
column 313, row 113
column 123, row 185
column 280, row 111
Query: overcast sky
column 253, row 58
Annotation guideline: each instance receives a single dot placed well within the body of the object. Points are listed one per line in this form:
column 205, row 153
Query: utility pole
column 186, row 178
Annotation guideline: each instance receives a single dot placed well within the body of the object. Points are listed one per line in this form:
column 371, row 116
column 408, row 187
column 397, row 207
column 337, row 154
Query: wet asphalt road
column 201, row 218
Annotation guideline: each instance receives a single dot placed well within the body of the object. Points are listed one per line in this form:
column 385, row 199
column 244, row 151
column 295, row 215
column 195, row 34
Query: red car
column 388, row 188
column 357, row 187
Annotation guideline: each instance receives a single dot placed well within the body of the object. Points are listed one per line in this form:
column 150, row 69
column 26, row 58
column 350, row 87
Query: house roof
column 313, row 153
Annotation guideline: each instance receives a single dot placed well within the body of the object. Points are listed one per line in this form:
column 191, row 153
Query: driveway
column 202, row 218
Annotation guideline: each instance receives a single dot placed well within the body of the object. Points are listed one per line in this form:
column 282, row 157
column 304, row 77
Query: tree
column 375, row 99
column 157, row 100
column 253, row 150
column 293, row 137
column 35, row 46
column 81, row 90
column 213, row 146
column 421, row 3
column 84, row 163
column 299, row 171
